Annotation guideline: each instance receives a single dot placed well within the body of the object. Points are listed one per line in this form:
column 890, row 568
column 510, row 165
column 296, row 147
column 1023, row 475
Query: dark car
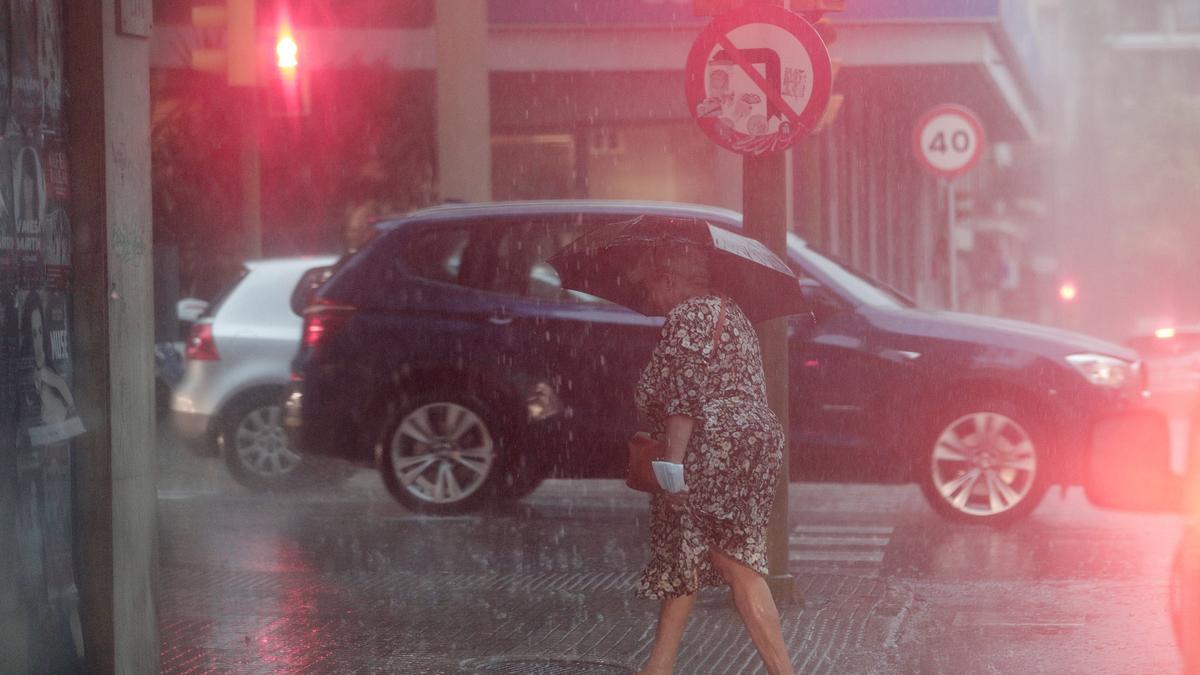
column 446, row 353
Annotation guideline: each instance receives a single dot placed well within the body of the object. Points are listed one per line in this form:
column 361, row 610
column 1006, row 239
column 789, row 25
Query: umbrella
column 603, row 262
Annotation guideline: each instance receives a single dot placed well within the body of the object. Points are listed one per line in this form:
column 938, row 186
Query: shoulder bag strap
column 719, row 326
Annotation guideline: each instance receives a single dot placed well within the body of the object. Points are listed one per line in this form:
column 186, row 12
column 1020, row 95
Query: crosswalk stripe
column 836, row 556
column 843, row 529
column 849, row 540
column 848, row 549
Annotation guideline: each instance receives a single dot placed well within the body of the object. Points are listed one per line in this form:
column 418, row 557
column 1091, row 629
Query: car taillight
column 321, row 321
column 201, row 346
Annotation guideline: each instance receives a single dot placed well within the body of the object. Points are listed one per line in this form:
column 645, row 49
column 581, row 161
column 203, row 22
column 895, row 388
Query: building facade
column 586, row 100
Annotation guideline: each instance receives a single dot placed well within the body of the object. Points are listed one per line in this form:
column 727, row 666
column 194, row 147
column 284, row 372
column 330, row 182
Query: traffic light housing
column 290, row 95
column 814, row 11
column 234, row 55
column 713, row 7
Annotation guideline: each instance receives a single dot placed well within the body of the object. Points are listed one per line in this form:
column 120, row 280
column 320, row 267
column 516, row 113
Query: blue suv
column 446, row 353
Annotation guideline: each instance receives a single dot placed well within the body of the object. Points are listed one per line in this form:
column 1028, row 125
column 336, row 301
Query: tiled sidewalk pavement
column 215, row 620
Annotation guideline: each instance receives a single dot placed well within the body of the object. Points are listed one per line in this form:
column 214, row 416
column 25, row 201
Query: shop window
column 533, row 166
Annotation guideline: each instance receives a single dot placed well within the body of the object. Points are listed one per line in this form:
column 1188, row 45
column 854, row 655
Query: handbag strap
column 719, row 326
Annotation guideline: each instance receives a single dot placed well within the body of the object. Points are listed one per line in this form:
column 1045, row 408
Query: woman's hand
column 678, row 500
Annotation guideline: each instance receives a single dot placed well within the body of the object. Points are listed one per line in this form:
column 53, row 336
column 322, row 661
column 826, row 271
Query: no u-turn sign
column 758, row 79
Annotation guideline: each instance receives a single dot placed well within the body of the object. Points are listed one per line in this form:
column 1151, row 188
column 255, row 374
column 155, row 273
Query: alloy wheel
column 261, row 445
column 984, row 464
column 442, row 453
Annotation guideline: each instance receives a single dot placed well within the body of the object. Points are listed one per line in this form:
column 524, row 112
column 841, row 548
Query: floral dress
column 733, row 456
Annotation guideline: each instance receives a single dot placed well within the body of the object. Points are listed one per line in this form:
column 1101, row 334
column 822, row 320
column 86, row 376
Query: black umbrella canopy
column 608, row 261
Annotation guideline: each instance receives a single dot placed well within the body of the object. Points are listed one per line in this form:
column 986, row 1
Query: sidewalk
column 251, row 584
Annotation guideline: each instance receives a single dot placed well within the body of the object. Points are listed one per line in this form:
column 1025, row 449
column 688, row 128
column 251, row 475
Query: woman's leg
column 672, row 618
column 752, row 598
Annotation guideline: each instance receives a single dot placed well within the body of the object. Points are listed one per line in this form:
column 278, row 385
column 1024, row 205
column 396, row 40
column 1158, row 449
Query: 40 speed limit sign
column 949, row 140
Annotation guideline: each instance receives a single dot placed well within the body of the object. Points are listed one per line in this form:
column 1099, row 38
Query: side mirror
column 189, row 310
column 1128, row 464
column 819, row 301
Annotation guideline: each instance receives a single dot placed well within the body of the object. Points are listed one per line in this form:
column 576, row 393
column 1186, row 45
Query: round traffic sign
column 758, row 79
column 949, row 140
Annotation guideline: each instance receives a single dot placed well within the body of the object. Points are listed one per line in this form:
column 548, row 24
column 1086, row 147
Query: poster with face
column 26, row 82
column 46, row 411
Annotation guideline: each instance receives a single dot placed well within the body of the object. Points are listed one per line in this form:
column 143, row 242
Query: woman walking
column 703, row 393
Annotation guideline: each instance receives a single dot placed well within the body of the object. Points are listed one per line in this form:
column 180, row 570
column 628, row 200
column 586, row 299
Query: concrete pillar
column 116, row 460
column 464, row 119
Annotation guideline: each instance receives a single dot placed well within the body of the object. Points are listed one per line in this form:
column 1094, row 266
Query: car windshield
column 860, row 287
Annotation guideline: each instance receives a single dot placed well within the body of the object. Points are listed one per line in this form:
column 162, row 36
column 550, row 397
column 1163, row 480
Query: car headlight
column 1103, row 371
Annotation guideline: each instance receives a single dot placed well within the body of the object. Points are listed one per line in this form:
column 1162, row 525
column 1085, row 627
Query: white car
column 238, row 363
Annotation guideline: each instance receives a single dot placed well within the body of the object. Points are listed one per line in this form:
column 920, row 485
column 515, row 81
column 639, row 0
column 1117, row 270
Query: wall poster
column 38, row 417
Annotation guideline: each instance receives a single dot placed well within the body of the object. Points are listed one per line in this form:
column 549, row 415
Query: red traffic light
column 287, row 52
column 1068, row 292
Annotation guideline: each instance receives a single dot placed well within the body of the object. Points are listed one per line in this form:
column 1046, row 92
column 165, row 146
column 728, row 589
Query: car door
column 588, row 351
column 844, row 374
column 441, row 306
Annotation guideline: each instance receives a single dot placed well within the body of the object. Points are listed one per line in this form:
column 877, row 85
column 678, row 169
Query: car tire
column 256, row 449
column 983, row 463
column 522, row 476
column 446, row 453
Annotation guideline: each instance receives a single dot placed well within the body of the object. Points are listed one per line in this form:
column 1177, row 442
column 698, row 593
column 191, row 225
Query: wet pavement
column 342, row 579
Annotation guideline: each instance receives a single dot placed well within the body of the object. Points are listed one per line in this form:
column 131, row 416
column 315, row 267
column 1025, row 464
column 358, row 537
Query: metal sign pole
column 765, row 218
column 779, row 102
column 952, row 244
column 764, row 209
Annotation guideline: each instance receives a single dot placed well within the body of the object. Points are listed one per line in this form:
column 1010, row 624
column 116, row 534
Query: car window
column 545, row 284
column 219, row 301
column 860, row 286
column 506, row 257
column 545, row 239
column 306, row 287
column 435, row 253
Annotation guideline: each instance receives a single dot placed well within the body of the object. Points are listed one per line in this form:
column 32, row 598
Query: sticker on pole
column 949, row 140
column 758, row 79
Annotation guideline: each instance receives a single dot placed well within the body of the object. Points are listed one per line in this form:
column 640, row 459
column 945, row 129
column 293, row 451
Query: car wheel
column 984, row 464
column 522, row 477
column 256, row 448
column 442, row 455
